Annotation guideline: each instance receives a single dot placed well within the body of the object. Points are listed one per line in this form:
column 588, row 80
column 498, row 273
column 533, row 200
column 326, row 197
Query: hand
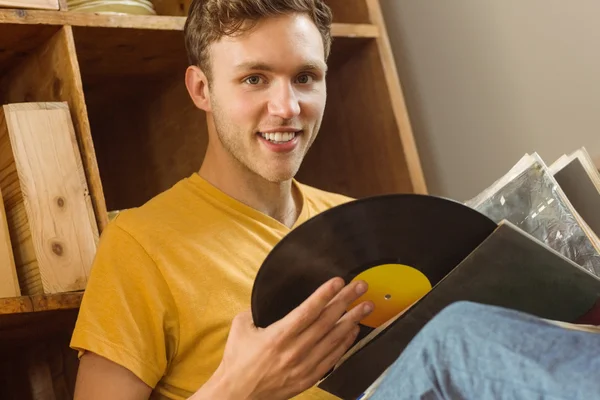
column 291, row 355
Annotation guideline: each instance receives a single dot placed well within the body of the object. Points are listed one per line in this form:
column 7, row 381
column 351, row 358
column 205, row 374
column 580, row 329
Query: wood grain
column 58, row 18
column 18, row 41
column 51, row 73
column 396, row 97
column 57, row 224
column 9, row 282
column 35, row 4
column 26, row 262
column 39, row 303
column 350, row 28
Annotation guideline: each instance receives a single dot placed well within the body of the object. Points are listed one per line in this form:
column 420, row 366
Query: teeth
column 279, row 137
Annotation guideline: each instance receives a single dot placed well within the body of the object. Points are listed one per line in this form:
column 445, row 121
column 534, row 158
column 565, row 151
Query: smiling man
column 166, row 309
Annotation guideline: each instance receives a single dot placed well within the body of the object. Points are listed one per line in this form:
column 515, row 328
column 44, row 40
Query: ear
column 197, row 86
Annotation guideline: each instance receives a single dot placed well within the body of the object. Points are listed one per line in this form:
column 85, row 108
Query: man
column 165, row 313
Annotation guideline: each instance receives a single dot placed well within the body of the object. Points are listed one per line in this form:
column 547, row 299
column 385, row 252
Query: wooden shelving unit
column 139, row 133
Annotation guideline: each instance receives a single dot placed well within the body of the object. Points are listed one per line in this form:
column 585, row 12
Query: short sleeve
column 127, row 314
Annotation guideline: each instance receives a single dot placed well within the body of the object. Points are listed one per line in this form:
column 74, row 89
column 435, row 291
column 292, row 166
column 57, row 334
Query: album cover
column 580, row 180
column 509, row 269
column 530, row 197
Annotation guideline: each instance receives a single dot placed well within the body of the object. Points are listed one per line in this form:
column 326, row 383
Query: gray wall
column 488, row 81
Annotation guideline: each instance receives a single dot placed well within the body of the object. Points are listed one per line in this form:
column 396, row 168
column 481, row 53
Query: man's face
column 268, row 95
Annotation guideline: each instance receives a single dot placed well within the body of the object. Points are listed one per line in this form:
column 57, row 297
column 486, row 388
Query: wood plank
column 35, row 4
column 26, row 263
column 397, row 99
column 51, row 73
column 9, row 282
column 149, row 22
column 355, row 30
column 43, row 17
column 58, row 224
column 73, row 94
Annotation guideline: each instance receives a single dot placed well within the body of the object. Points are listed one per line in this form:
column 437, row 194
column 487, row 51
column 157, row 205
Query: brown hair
column 209, row 20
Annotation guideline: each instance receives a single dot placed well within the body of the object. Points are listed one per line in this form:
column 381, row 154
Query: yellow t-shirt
column 169, row 277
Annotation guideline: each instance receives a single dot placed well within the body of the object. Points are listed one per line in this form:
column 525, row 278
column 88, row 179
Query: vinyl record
column 401, row 244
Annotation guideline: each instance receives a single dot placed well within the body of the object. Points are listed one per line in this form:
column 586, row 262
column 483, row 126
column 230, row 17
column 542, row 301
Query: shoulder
column 167, row 206
column 321, row 200
column 160, row 216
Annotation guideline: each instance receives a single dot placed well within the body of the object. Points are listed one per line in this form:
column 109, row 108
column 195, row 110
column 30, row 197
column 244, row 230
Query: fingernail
column 338, row 284
column 361, row 288
column 368, row 308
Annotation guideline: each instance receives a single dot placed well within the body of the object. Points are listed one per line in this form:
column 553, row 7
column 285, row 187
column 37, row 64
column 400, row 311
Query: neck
column 277, row 200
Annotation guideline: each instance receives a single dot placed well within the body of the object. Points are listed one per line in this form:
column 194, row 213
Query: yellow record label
column 392, row 288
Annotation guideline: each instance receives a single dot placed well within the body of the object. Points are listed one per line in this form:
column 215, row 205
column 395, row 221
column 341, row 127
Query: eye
column 304, row 79
column 253, row 80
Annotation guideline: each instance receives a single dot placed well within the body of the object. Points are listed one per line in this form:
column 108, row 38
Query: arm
column 99, row 378
column 278, row 362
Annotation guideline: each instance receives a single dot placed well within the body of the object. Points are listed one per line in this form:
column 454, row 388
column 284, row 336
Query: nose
column 283, row 101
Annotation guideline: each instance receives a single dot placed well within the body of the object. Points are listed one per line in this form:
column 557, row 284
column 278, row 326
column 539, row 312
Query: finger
column 329, row 359
column 317, row 345
column 358, row 313
column 345, row 325
column 332, row 313
column 309, row 310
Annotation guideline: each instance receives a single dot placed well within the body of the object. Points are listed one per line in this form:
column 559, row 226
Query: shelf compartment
column 41, row 67
column 358, row 151
column 34, row 342
column 140, row 114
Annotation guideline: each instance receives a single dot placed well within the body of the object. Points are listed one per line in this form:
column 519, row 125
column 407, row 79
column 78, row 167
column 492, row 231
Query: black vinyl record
column 431, row 234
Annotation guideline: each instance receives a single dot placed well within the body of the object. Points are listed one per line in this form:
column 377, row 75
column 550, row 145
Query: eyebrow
column 259, row 66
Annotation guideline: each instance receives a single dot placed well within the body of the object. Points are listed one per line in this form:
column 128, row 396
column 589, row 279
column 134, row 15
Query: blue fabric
column 480, row 352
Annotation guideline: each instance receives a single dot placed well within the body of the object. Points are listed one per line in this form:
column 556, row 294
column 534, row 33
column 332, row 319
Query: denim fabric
column 480, row 352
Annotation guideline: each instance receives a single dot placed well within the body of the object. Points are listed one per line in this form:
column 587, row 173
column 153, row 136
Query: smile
column 279, row 137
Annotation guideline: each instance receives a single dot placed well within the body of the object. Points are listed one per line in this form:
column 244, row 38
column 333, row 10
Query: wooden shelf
column 138, row 133
column 160, row 22
column 39, row 303
column 29, row 318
